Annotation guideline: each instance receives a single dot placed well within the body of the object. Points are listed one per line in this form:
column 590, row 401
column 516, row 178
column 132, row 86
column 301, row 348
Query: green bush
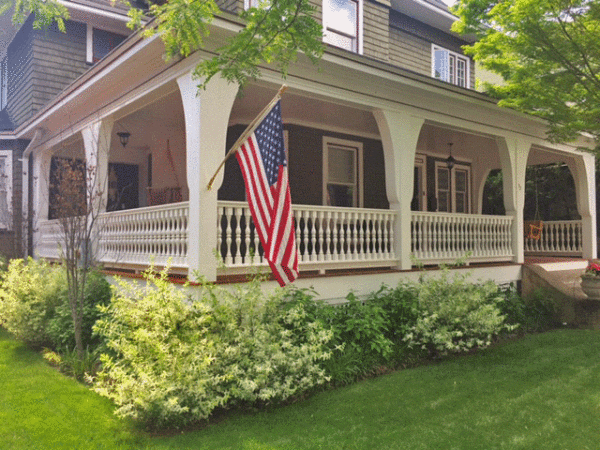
column 540, row 311
column 361, row 342
column 31, row 291
column 173, row 359
column 456, row 315
column 60, row 325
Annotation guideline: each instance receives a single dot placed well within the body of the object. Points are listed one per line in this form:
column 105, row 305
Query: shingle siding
column 376, row 38
column 410, row 45
column 40, row 65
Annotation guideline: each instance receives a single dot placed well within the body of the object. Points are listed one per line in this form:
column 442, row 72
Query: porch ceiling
column 305, row 110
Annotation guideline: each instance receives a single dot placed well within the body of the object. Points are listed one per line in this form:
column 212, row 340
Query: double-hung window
column 452, row 188
column 342, row 170
column 342, row 24
column 450, row 66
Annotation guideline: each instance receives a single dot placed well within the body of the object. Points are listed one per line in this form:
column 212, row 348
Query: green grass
column 541, row 392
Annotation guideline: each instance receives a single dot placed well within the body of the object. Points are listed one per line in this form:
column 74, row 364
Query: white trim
column 89, row 43
column 452, row 186
column 327, row 18
column 421, row 164
column 358, row 182
column 454, row 67
column 95, row 11
column 8, row 154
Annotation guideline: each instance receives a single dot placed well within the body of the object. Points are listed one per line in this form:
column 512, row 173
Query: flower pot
column 591, row 287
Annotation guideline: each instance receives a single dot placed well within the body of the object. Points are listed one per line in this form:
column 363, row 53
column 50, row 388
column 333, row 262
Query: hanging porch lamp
column 450, row 160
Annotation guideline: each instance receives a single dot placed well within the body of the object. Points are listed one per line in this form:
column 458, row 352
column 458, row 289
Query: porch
column 327, row 238
column 373, row 187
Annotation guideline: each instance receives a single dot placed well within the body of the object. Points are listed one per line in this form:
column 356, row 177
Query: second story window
column 101, row 43
column 450, row 66
column 342, row 24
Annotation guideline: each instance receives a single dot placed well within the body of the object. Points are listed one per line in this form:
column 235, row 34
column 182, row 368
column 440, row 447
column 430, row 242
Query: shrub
column 173, row 359
column 31, row 291
column 540, row 311
column 360, row 329
column 60, row 326
column 456, row 315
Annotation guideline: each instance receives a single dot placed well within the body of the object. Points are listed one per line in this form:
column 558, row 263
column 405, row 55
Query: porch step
column 561, row 280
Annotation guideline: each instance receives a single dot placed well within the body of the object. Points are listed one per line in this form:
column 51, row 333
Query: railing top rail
column 296, row 207
column 462, row 215
column 146, row 209
column 558, row 222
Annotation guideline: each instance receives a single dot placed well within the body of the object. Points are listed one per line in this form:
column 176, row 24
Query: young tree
column 547, row 51
column 274, row 33
column 75, row 203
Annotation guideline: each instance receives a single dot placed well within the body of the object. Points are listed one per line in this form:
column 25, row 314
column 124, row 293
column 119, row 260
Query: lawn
column 540, row 392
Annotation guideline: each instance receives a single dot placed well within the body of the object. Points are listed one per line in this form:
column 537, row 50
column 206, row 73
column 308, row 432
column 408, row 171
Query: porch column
column 399, row 132
column 584, row 174
column 96, row 141
column 206, row 119
column 41, row 183
column 514, row 151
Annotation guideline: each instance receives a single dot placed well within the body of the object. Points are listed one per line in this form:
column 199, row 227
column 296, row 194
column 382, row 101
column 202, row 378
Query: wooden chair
column 533, row 229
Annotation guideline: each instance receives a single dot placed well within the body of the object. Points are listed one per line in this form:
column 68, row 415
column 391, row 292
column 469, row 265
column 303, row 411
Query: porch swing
column 533, row 228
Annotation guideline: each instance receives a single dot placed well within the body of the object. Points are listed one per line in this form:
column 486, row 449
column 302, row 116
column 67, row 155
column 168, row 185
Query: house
column 389, row 148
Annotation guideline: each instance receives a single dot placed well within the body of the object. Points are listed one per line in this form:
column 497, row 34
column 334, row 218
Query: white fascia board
column 94, row 11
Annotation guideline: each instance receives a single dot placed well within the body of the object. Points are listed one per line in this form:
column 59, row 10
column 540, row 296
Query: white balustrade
column 48, row 239
column 138, row 236
column 445, row 237
column 326, row 237
column 559, row 237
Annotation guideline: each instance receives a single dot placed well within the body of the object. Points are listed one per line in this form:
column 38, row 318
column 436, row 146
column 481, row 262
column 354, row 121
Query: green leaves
column 547, row 51
column 273, row 34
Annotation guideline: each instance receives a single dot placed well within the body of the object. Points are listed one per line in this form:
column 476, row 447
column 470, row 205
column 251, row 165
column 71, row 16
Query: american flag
column 264, row 167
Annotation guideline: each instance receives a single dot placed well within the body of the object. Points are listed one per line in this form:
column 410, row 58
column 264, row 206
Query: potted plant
column 590, row 281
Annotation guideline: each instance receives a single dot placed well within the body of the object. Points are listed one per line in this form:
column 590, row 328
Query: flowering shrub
column 31, row 291
column 173, row 359
column 592, row 270
column 456, row 315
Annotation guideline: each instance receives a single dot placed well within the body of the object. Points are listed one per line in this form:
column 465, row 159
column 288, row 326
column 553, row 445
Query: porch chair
column 533, row 228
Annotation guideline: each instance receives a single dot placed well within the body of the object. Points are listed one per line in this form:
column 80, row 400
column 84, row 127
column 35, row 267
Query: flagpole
column 249, row 130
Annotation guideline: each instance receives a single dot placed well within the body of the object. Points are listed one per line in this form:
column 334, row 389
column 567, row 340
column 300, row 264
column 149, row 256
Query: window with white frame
column 342, row 172
column 453, row 188
column 3, row 83
column 256, row 4
column 5, row 189
column 342, row 24
column 419, row 201
column 100, row 43
column 449, row 66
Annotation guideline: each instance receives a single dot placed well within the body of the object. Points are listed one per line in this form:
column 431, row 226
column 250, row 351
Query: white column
column 206, row 118
column 584, row 174
column 96, row 141
column 399, row 134
column 514, row 151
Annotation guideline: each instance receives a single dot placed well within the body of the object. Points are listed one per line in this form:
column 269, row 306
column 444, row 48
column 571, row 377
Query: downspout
column 27, row 197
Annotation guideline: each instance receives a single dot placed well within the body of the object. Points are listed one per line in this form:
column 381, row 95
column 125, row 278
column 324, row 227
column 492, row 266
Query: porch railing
column 444, row 237
column 138, row 236
column 559, row 237
column 326, row 237
column 49, row 237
